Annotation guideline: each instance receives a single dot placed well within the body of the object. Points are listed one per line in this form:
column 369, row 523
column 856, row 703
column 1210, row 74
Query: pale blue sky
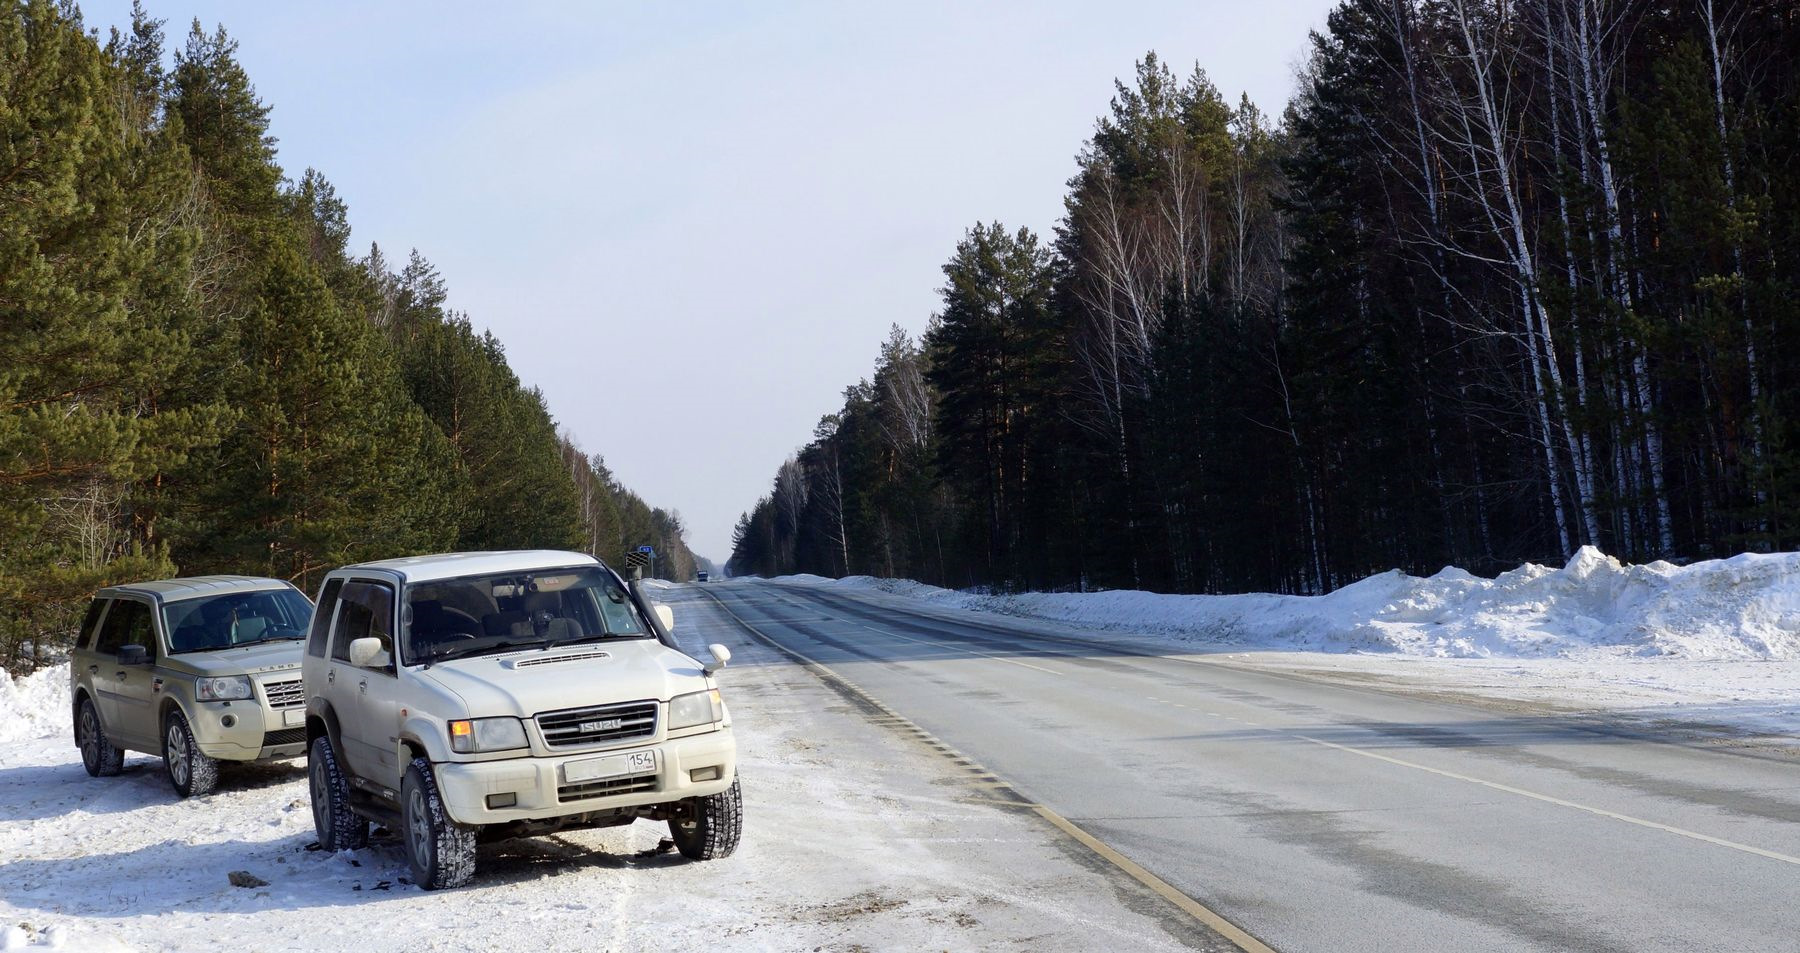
column 731, row 202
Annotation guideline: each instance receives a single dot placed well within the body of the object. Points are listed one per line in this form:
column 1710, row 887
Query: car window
column 615, row 605
column 321, row 623
column 236, row 618
column 90, row 624
column 128, row 623
column 365, row 610
column 470, row 615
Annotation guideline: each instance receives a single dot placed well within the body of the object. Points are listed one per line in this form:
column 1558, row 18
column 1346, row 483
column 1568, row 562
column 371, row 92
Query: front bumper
column 541, row 793
column 254, row 731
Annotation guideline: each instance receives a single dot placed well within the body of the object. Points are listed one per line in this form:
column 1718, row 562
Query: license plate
column 594, row 769
column 293, row 716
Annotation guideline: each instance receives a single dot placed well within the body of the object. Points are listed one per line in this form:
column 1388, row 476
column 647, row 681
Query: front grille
column 285, row 694
column 286, row 736
column 587, row 789
column 572, row 727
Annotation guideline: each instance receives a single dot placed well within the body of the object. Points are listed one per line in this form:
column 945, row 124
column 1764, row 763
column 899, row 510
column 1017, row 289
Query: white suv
column 508, row 694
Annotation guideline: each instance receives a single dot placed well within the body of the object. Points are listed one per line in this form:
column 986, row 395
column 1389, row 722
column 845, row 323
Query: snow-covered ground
column 1712, row 643
column 855, row 838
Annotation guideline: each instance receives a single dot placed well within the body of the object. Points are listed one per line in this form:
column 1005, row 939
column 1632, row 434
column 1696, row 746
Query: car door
column 364, row 698
column 126, row 693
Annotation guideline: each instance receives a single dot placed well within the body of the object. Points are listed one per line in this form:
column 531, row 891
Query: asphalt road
column 1321, row 817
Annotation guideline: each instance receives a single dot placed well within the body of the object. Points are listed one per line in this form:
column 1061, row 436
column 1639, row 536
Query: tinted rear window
column 89, row 623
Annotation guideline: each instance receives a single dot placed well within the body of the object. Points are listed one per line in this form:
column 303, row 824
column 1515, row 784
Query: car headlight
column 486, row 734
column 221, row 688
column 699, row 708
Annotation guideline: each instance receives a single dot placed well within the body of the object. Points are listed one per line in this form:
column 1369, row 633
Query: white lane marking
column 964, row 648
column 1548, row 799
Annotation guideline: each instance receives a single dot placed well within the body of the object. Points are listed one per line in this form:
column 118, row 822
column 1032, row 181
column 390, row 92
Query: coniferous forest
column 1504, row 279
column 199, row 375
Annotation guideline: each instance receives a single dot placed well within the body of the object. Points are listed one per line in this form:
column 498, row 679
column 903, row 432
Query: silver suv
column 196, row 670
column 507, row 694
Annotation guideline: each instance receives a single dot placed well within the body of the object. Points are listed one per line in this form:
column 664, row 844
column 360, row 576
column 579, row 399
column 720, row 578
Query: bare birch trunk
column 1543, row 353
column 1593, row 79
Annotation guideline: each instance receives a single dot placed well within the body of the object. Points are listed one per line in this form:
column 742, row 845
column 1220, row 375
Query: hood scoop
column 527, row 661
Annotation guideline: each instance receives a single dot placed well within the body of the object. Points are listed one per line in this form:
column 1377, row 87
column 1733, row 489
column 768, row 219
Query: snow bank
column 1743, row 608
column 36, row 705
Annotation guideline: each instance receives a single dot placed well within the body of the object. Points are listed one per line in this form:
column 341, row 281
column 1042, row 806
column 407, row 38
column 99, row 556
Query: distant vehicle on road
column 197, row 670
column 507, row 694
column 700, row 576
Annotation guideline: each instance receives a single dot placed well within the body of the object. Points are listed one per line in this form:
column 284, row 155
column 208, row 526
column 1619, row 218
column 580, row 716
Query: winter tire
column 338, row 827
column 98, row 755
column 441, row 851
column 710, row 826
column 192, row 773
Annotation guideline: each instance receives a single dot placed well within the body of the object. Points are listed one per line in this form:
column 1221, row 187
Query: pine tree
column 996, row 298
column 82, row 292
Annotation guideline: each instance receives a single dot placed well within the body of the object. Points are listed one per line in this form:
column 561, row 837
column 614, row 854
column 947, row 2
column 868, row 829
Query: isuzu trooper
column 500, row 694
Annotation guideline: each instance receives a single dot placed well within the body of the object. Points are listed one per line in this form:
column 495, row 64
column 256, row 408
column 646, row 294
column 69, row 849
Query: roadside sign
column 647, row 550
column 637, row 558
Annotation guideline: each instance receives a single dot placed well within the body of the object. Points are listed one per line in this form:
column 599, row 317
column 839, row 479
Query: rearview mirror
column 666, row 616
column 367, row 652
column 720, row 655
column 133, row 655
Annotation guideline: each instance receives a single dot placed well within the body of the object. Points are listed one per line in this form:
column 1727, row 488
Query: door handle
column 363, row 686
column 119, row 675
column 331, row 676
column 93, row 669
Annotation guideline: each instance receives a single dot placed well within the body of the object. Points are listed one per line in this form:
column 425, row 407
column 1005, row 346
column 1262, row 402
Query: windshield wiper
column 601, row 637
column 458, row 650
column 272, row 638
column 455, row 650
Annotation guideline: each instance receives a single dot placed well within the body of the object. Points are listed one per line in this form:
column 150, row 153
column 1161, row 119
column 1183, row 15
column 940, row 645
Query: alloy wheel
column 175, row 750
column 90, row 736
column 418, row 828
column 321, row 797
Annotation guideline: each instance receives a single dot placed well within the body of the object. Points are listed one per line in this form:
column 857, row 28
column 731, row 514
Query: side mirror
column 133, row 655
column 720, row 655
column 666, row 616
column 367, row 652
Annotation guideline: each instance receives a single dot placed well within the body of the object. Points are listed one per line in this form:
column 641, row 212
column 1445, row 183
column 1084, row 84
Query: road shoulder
column 857, row 837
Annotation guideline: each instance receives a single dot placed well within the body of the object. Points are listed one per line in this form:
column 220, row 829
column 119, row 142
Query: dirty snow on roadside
column 1714, row 642
column 855, row 838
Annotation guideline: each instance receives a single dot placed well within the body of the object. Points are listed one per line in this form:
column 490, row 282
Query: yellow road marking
column 1189, row 905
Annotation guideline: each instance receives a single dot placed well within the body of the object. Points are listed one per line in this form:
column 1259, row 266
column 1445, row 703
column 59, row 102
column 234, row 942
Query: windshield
column 476, row 614
column 236, row 618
